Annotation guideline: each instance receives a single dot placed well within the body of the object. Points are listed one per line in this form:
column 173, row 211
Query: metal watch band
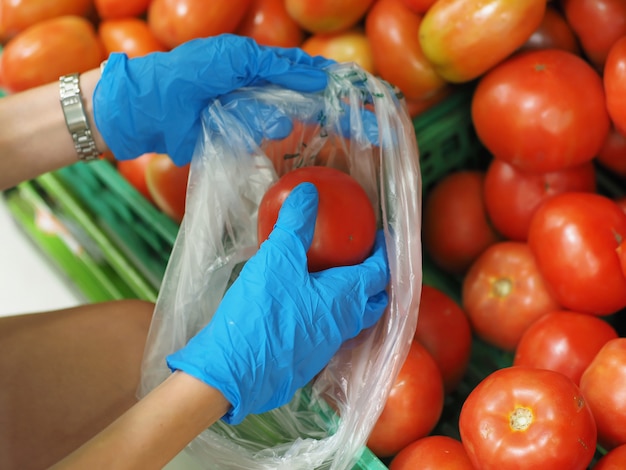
column 75, row 117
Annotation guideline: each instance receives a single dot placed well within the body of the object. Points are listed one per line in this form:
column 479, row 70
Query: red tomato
column 413, row 407
column 615, row 459
column 130, row 35
column 116, row 9
column 563, row 341
column 134, row 171
column 612, row 155
column 598, row 24
column 604, row 386
column 615, row 84
column 503, row 293
column 512, row 196
column 465, row 38
column 269, row 24
column 419, row 6
column 444, row 330
column 167, row 184
column 455, row 226
column 327, row 16
column 575, row 237
column 541, row 110
column 432, row 453
column 177, row 21
column 345, row 227
column 554, row 32
column 43, row 52
column 350, row 45
column 390, row 26
column 527, row 418
column 17, row 15
column 415, row 107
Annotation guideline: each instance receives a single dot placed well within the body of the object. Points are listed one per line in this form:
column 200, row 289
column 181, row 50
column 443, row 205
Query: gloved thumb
column 297, row 217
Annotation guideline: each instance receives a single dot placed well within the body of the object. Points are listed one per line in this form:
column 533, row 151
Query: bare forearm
column 33, row 135
column 155, row 430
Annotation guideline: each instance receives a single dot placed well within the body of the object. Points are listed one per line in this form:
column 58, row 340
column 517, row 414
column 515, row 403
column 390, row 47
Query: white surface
column 29, row 283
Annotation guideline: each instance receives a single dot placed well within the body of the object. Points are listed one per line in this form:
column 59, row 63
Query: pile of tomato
column 533, row 243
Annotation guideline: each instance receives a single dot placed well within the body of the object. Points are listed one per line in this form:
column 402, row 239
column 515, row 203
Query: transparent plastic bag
column 327, row 423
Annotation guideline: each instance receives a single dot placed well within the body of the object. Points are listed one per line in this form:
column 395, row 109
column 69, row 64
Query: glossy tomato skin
column 115, row 9
column 432, row 453
column 177, row 21
column 503, row 293
column 167, row 184
column 327, row 16
column 615, row 459
column 419, row 6
column 465, row 38
column 390, row 26
column 413, row 407
column 597, row 24
column 604, row 386
column 130, row 35
column 444, row 330
column 541, row 110
column 615, row 84
column 512, row 195
column 43, row 52
column 575, row 238
column 527, row 418
column 554, row 32
column 456, row 228
column 345, row 228
column 612, row 155
column 563, row 341
column 17, row 15
column 269, row 24
column 351, row 45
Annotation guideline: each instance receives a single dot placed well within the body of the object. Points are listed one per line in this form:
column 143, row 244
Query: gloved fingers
column 298, row 56
column 373, row 273
column 368, row 122
column 374, row 308
column 296, row 218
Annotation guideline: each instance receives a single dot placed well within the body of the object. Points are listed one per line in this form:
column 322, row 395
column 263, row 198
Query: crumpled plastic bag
column 327, row 423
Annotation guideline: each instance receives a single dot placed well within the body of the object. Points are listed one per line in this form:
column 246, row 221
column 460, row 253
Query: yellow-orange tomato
column 130, row 35
column 42, row 53
column 345, row 46
column 269, row 24
column 465, row 38
column 327, row 16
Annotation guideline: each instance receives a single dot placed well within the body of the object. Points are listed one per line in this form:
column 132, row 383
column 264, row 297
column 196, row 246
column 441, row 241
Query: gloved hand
column 279, row 325
column 153, row 103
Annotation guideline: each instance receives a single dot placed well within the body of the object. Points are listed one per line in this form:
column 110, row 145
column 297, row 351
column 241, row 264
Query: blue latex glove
column 153, row 103
column 279, row 325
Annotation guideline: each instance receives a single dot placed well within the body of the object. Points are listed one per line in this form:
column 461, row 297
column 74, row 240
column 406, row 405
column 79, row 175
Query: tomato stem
column 520, row 419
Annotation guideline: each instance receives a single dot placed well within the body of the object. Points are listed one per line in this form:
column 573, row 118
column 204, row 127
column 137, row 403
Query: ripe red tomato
column 269, row 24
column 345, row 228
column 43, row 52
column 130, row 35
column 554, row 32
column 522, row 417
column 134, row 171
column 575, row 237
column 167, row 184
column 597, row 24
column 612, row 155
column 563, row 341
column 390, row 26
column 351, row 45
column 432, row 453
column 512, row 195
column 415, row 107
column 465, row 38
column 541, row 110
column 327, row 16
column 455, row 226
column 444, row 330
column 419, row 6
column 615, row 84
column 115, row 9
column 413, row 407
column 176, row 21
column 615, row 459
column 503, row 293
column 604, row 386
column 17, row 15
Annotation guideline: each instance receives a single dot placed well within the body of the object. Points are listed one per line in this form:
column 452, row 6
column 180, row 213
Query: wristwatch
column 75, row 117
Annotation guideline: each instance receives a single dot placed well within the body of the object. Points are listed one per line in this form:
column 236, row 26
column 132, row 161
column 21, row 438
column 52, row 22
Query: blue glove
column 153, row 103
column 279, row 325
